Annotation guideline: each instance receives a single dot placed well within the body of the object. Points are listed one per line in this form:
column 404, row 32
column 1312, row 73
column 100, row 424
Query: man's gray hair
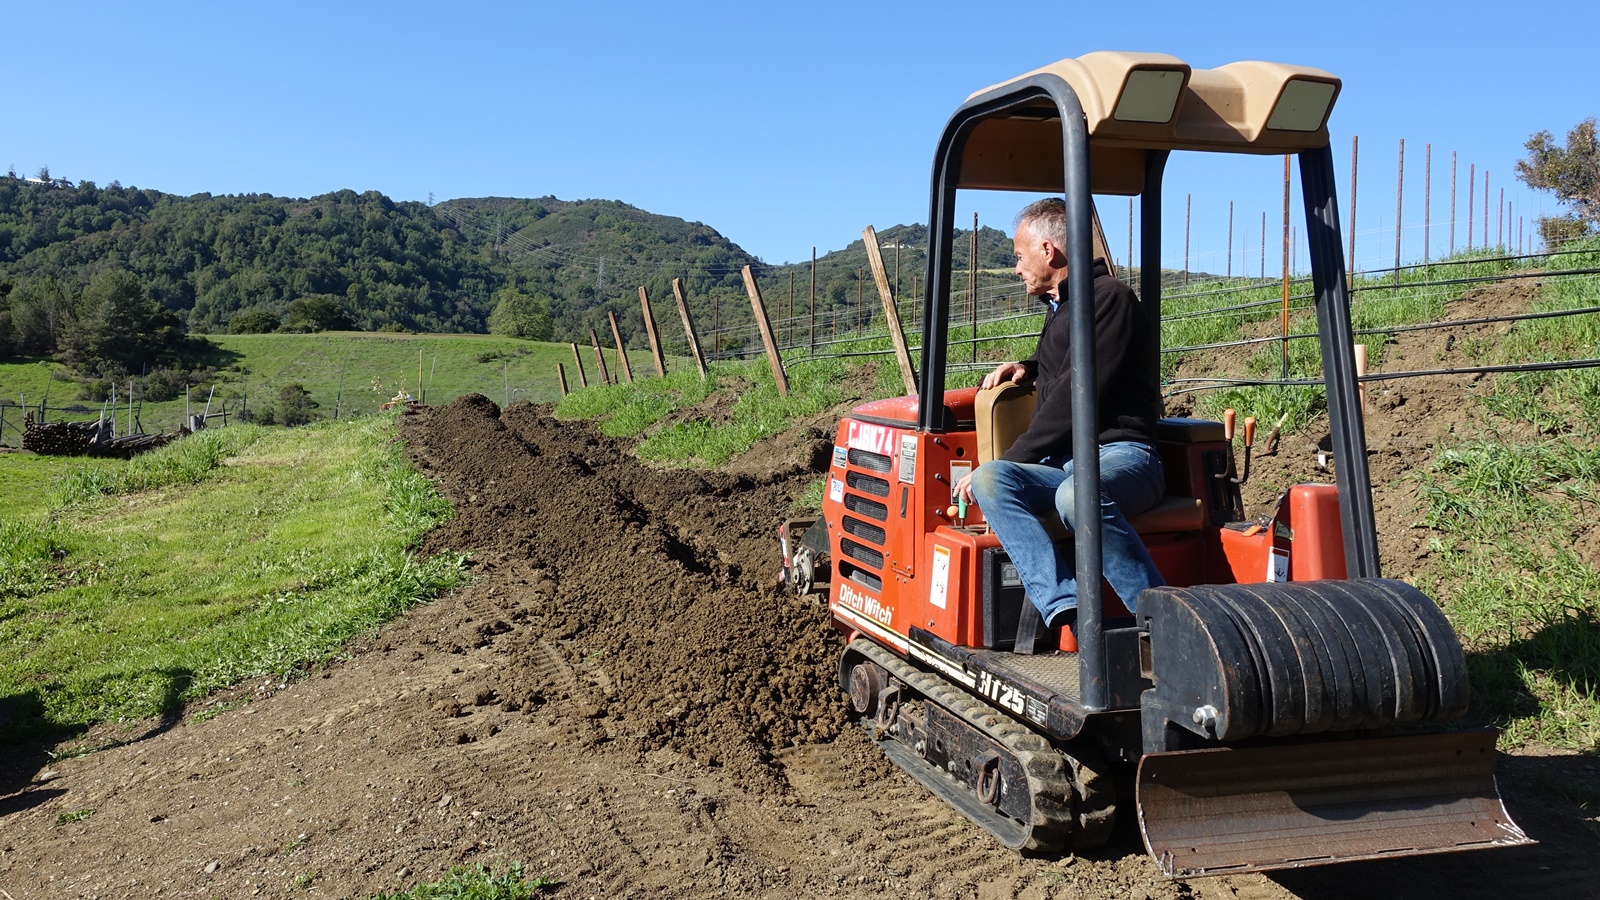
column 1047, row 220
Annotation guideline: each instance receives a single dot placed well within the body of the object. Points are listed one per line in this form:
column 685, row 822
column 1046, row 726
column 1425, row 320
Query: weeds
column 1525, row 605
column 185, row 462
column 211, row 712
column 811, row 497
column 80, row 750
column 69, row 818
column 758, row 413
column 477, row 883
column 298, row 543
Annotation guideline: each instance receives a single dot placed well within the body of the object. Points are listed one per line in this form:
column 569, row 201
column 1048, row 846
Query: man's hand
column 964, row 488
column 1011, row 371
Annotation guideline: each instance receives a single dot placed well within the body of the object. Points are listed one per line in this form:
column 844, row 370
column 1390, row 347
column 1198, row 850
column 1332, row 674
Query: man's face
column 1037, row 262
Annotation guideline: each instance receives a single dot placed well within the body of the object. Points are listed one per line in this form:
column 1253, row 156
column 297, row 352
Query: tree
column 295, row 406
column 1572, row 173
column 254, row 321
column 34, row 314
column 521, row 315
column 117, row 330
column 318, row 312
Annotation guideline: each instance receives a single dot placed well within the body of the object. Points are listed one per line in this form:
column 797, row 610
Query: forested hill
column 592, row 256
column 368, row 262
column 386, row 263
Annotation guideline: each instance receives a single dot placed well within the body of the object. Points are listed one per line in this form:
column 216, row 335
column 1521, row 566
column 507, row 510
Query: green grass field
column 347, row 373
column 240, row 551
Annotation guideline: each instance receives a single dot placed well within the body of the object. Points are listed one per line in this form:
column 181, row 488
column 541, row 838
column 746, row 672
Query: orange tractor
column 1261, row 711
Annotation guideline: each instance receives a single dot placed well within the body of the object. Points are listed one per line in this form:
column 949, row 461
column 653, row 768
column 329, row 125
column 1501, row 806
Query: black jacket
column 1127, row 368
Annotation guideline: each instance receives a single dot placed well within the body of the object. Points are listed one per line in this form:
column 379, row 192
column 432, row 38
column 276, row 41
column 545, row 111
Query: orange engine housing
column 901, row 561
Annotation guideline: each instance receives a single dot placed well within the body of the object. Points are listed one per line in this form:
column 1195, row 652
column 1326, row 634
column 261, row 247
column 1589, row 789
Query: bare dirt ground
column 623, row 702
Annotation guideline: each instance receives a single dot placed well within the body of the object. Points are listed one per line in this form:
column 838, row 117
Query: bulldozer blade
column 1278, row 806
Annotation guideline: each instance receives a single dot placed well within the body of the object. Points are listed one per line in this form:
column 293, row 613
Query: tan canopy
column 1138, row 102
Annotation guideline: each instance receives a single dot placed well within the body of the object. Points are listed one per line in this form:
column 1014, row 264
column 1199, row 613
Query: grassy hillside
column 238, row 552
column 345, row 372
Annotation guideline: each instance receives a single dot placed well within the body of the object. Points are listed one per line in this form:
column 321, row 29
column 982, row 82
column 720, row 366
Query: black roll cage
column 1333, row 322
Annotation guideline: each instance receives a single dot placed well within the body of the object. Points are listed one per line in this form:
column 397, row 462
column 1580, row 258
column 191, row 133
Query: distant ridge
column 409, row 266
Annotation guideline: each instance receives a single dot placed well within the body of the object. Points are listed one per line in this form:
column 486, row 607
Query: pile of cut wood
column 86, row 439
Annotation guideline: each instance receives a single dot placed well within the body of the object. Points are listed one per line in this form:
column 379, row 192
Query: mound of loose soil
column 654, row 587
column 623, row 701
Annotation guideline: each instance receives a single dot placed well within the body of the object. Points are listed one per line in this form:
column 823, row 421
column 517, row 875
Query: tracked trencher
column 1279, row 704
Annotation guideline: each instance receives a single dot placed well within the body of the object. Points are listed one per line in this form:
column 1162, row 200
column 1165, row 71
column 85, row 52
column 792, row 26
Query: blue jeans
column 1013, row 497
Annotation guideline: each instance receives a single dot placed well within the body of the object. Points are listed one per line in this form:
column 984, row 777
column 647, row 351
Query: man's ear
column 1057, row 255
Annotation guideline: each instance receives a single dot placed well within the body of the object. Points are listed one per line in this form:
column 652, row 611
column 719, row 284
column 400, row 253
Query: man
column 1034, row 477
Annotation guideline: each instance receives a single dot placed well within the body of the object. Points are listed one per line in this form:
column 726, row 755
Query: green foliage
column 32, row 316
column 1287, row 408
column 626, row 410
column 128, row 608
column 207, row 258
column 161, row 385
column 637, row 409
column 520, row 315
column 185, row 462
column 116, row 330
column 759, row 413
column 29, row 551
column 1526, row 605
column 405, row 265
column 477, row 883
column 1557, row 402
column 385, row 264
column 254, row 321
column 1572, row 173
column 318, row 312
column 294, row 407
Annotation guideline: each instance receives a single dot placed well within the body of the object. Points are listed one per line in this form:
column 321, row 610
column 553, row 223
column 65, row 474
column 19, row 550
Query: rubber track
column 1071, row 794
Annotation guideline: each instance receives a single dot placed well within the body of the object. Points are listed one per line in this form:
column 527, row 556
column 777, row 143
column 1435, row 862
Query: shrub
column 254, row 321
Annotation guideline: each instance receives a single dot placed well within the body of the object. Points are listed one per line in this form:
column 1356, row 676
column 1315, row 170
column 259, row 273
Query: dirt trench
column 622, row 701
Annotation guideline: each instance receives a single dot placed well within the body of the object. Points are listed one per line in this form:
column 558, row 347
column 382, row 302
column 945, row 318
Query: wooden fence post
column 622, row 352
column 1350, row 255
column 599, row 358
column 760, row 310
column 811, row 339
column 1399, row 208
column 561, row 376
column 650, row 329
column 688, row 326
column 1287, row 262
column 577, row 358
column 891, row 316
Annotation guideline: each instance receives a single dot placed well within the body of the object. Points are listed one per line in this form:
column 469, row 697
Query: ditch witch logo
column 865, row 604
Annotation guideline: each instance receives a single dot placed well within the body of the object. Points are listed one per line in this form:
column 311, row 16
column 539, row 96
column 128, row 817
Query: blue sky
column 782, row 126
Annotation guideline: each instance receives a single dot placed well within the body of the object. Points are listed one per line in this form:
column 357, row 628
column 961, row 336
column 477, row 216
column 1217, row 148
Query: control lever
column 1229, row 418
column 958, row 512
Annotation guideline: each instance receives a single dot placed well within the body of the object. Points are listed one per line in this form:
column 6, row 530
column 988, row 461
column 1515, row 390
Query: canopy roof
column 1135, row 103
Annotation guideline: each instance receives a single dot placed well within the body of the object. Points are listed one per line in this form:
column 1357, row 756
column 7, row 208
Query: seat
column 1002, row 414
